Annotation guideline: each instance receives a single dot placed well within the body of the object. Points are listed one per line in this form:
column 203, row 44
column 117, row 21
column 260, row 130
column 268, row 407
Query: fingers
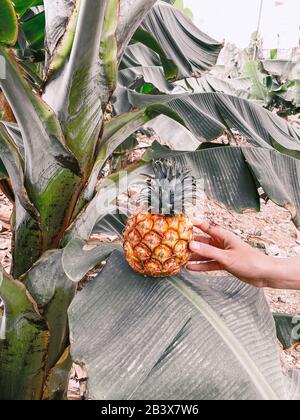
column 197, row 257
column 205, row 267
column 207, row 252
column 202, row 239
column 211, row 229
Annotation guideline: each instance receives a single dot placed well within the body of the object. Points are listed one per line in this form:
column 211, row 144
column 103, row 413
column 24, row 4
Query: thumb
column 207, row 251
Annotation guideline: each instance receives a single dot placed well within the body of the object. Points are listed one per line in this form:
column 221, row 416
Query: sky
column 236, row 20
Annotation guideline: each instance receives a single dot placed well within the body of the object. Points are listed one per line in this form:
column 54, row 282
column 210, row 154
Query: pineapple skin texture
column 157, row 245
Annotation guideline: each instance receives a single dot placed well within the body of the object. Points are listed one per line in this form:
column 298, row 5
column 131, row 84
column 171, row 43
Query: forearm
column 283, row 273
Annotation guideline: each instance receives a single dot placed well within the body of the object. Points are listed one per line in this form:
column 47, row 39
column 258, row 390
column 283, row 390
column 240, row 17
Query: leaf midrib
column 239, row 351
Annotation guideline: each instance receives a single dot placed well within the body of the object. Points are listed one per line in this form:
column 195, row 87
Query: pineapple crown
column 170, row 189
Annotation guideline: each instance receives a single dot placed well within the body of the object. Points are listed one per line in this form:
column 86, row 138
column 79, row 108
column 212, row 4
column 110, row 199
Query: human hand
column 224, row 251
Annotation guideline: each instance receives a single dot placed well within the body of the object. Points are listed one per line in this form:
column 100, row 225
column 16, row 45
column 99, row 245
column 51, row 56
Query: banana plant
column 182, row 337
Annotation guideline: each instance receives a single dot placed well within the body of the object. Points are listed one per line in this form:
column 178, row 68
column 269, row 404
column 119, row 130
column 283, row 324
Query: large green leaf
column 14, row 166
column 243, row 168
column 173, row 134
column 152, row 333
column 27, row 242
column 136, row 77
column 111, row 224
column 145, row 38
column 223, row 170
column 79, row 103
column 80, row 257
column 115, row 133
column 34, row 30
column 105, row 201
column 8, row 23
column 52, row 282
column 209, row 83
column 287, row 70
column 208, row 114
column 53, row 292
column 122, row 18
column 15, row 133
column 258, row 87
column 226, row 178
column 56, row 386
column 23, row 344
column 279, row 176
column 138, row 55
column 51, row 171
column 57, row 15
column 23, row 5
column 131, row 15
column 61, row 19
column 190, row 49
column 109, row 50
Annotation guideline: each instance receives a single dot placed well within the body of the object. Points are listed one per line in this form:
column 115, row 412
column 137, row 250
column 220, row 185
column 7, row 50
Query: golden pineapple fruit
column 157, row 245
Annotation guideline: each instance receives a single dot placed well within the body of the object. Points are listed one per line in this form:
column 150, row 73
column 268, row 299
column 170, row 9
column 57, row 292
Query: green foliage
column 8, row 23
column 180, row 5
column 53, row 159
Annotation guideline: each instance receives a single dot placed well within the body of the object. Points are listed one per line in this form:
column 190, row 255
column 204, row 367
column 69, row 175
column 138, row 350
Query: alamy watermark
column 116, row 197
column 2, row 68
column 296, row 329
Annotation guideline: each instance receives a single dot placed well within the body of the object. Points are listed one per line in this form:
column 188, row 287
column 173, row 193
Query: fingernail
column 195, row 246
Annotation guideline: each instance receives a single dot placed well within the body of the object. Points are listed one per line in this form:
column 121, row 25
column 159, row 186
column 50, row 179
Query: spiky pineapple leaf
column 163, row 356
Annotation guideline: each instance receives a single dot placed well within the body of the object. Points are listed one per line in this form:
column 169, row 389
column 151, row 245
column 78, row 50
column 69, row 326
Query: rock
column 273, row 250
column 297, row 250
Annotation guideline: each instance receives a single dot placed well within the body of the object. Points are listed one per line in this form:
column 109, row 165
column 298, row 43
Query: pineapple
column 156, row 239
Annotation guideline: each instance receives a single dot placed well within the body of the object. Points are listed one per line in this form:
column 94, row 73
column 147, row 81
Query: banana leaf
column 187, row 337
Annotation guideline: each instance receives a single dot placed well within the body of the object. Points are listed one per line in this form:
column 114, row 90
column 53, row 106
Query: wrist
column 276, row 275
